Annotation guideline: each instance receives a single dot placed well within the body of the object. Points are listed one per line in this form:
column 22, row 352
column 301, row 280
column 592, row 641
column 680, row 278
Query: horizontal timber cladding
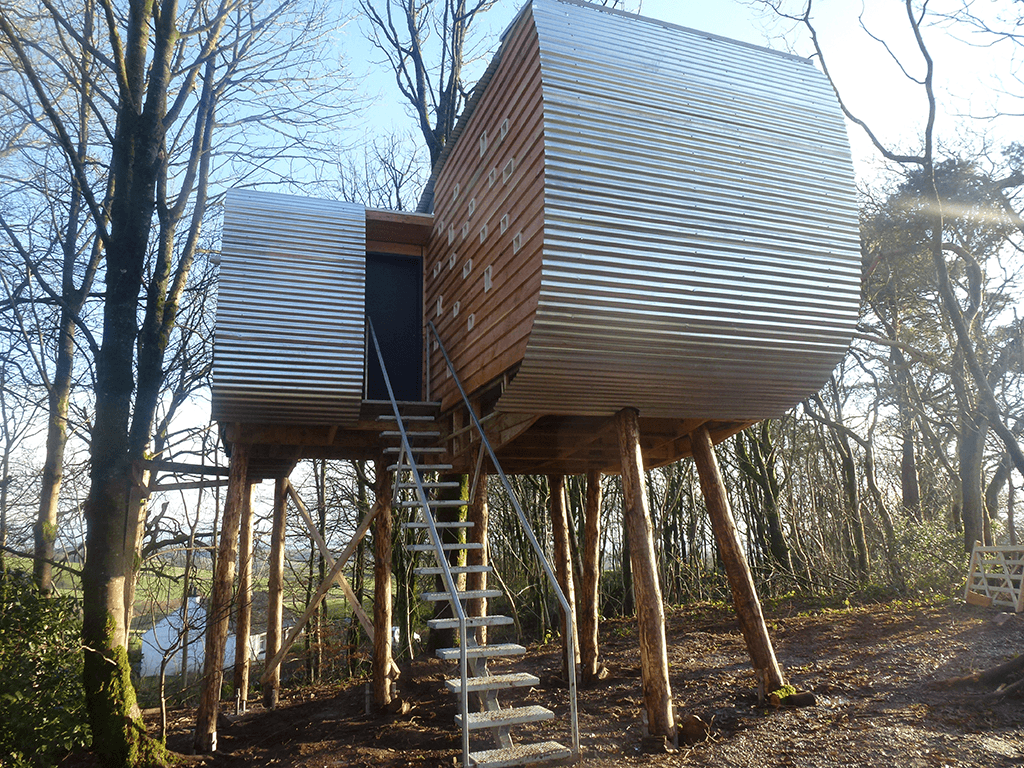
column 289, row 340
column 700, row 232
column 482, row 271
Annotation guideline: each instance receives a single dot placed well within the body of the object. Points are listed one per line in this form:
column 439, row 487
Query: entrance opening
column 394, row 298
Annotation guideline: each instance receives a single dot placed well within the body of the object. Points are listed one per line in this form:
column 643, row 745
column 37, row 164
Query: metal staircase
column 413, row 433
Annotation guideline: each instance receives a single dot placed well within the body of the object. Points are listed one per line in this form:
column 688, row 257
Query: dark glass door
column 394, row 296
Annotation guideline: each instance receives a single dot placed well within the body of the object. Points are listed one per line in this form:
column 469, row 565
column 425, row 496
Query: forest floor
column 872, row 668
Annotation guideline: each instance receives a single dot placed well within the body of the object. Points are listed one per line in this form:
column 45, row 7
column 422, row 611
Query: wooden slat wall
column 503, row 315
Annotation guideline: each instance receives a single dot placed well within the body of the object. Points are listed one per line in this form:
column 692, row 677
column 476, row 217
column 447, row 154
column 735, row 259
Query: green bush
column 42, row 705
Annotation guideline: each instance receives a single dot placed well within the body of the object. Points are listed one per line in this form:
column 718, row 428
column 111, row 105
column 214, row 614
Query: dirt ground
column 872, row 669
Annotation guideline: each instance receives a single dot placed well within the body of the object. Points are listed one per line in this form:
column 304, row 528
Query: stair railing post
column 528, row 530
column 435, row 537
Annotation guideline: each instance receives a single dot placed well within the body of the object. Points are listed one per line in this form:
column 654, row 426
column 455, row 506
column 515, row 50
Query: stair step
column 520, row 754
column 446, row 547
column 420, row 449
column 421, row 467
column 410, row 433
column 455, row 570
column 438, row 524
column 469, row 594
column 498, row 650
column 471, row 621
column 493, row 682
column 442, row 484
column 435, row 503
column 391, row 417
column 501, row 718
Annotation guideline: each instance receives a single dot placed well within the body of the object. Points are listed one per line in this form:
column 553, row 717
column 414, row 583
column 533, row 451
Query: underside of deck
column 524, row 443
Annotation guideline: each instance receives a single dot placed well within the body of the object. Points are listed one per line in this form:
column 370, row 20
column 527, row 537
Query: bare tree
column 128, row 96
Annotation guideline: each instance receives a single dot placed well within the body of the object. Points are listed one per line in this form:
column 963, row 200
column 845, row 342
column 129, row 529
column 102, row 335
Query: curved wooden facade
column 637, row 214
column 630, row 215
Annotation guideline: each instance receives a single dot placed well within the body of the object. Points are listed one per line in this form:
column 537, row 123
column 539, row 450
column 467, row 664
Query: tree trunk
column 243, row 603
column 275, row 591
column 205, row 740
column 971, row 452
column 748, row 607
column 563, row 569
column 589, row 608
column 478, row 516
column 650, row 610
column 382, row 587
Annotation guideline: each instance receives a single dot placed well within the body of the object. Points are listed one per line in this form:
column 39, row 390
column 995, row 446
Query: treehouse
column 640, row 239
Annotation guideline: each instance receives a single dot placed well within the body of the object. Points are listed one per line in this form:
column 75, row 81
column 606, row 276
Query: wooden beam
column 205, row 739
column 591, row 576
column 275, row 591
column 563, row 568
column 744, row 594
column 382, row 663
column 243, row 604
column 321, row 592
column 657, row 691
column 181, row 468
column 187, row 486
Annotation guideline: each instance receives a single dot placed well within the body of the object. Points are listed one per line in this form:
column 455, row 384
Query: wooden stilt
column 477, row 514
column 382, row 587
column 649, row 609
column 275, row 591
column 563, row 566
column 243, row 603
column 744, row 595
column 205, row 739
column 590, row 583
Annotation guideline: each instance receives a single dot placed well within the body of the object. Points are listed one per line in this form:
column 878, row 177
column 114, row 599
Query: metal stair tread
column 499, row 718
column 445, row 547
column 410, row 433
column 438, row 524
column 469, row 594
column 494, row 682
column 435, row 570
column 421, row 467
column 498, row 650
column 416, row 449
column 520, row 754
column 439, row 484
column 434, row 503
column 471, row 621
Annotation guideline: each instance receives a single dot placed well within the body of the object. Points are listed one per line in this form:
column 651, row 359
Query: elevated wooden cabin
column 641, row 239
column 631, row 214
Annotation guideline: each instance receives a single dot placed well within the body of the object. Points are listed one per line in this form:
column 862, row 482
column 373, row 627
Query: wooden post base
column 650, row 610
column 744, row 595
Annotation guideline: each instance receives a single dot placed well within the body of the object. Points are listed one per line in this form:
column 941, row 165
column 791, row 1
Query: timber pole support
column 744, row 595
column 382, row 587
column 275, row 592
column 649, row 608
column 589, row 608
column 563, row 568
column 243, row 615
column 205, row 737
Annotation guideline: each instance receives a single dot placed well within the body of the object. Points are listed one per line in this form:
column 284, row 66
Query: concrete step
column 471, row 621
column 502, row 718
column 520, row 754
column 497, row 651
column 469, row 594
column 445, row 547
column 493, row 682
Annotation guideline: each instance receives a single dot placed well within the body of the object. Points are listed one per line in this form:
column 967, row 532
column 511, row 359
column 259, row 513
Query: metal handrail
column 435, row 537
column 528, row 529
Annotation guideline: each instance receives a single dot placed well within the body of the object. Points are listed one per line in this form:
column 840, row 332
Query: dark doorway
column 394, row 304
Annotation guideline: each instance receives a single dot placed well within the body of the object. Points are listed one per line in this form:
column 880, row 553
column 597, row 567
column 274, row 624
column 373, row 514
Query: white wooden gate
column 996, row 576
